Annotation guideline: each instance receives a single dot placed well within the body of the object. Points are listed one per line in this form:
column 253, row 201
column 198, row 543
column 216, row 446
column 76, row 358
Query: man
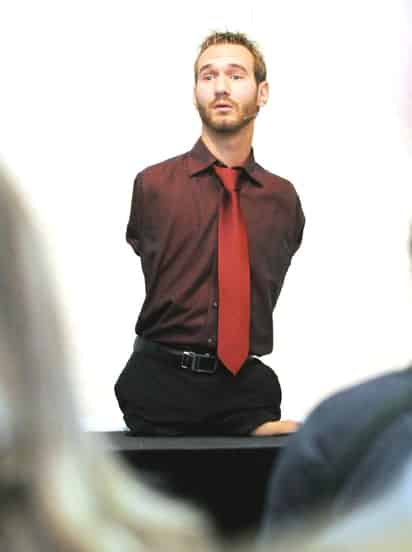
column 216, row 234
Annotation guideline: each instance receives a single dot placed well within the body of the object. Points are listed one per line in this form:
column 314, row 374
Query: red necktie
column 233, row 276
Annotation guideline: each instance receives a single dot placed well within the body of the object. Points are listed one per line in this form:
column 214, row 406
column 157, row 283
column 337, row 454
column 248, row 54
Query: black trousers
column 157, row 397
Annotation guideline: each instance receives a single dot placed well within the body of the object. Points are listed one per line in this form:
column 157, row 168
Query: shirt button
column 210, row 340
column 214, row 304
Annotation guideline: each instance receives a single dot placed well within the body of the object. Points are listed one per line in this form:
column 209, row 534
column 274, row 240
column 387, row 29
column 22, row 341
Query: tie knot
column 228, row 176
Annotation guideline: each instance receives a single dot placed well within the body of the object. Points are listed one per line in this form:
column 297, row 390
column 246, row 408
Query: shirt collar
column 201, row 159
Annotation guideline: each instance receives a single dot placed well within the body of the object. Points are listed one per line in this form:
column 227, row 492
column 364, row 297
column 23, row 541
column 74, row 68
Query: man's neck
column 231, row 149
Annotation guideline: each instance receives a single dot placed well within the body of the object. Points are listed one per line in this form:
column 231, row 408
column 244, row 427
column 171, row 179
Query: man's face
column 226, row 76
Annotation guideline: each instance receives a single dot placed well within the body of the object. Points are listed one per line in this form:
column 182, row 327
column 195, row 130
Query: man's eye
column 237, row 76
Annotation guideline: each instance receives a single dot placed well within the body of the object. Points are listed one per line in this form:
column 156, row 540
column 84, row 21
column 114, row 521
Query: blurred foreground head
column 58, row 490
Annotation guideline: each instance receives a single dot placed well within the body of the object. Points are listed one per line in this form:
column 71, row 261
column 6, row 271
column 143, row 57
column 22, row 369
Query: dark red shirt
column 173, row 227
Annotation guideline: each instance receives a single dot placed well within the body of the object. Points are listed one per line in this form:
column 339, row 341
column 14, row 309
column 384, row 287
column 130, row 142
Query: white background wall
column 93, row 91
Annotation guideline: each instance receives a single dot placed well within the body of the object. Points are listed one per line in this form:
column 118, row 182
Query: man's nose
column 222, row 85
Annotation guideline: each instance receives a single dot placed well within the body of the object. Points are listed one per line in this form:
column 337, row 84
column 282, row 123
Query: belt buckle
column 190, row 361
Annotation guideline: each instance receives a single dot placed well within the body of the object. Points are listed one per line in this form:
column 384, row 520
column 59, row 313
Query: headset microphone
column 251, row 116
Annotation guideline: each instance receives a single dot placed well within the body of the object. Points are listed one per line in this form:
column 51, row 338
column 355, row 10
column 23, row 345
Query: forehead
column 224, row 54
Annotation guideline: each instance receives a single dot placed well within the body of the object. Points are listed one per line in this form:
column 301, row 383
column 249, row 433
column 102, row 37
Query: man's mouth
column 223, row 107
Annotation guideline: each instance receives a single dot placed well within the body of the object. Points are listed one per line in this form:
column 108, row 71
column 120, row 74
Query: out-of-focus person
column 59, row 490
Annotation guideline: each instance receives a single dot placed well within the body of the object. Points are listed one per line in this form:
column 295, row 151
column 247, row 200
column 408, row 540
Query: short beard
column 224, row 127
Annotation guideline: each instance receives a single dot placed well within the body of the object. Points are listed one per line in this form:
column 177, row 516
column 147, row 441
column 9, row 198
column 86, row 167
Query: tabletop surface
column 123, row 441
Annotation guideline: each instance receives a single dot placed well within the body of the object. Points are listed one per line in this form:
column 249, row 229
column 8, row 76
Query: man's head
column 229, row 69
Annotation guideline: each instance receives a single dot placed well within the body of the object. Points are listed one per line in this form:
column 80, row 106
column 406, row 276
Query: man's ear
column 263, row 93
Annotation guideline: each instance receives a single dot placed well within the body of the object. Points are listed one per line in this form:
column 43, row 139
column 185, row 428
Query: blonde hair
column 240, row 39
column 59, row 489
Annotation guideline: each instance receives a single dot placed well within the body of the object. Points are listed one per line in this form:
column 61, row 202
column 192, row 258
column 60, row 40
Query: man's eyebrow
column 234, row 65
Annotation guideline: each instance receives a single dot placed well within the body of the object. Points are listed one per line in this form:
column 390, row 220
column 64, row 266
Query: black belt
column 204, row 363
